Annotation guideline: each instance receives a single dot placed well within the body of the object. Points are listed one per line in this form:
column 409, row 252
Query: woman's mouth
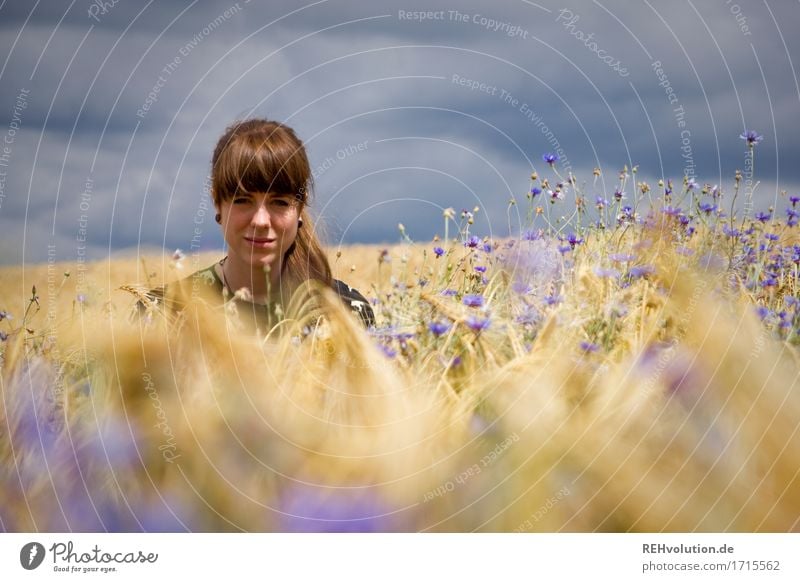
column 259, row 241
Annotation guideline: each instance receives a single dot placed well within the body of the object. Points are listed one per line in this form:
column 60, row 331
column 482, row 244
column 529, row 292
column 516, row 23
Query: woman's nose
column 261, row 216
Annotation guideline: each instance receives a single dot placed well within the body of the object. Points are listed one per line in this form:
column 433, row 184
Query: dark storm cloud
column 403, row 115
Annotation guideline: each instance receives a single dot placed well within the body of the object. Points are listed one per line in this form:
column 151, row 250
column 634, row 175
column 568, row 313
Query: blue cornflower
column 531, row 235
column 762, row 312
column 772, row 237
column 600, row 202
column 387, row 351
column 794, row 200
column 535, row 192
column 642, row 270
column 550, row 158
column 553, row 300
column 792, row 213
column 618, row 195
column 564, row 249
column 609, row 273
column 477, row 324
column 472, row 300
column 449, row 292
column 692, row 184
column 763, row 216
column 480, row 269
column 472, row 242
column 438, row 328
column 671, row 211
column 521, row 287
column 731, row 232
column 589, row 347
column 707, row 207
column 752, row 138
column 769, row 281
column 622, row 258
column 573, row 239
column 487, row 248
column 438, row 251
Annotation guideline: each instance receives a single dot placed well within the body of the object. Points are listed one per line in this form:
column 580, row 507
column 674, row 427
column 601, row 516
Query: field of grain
column 637, row 373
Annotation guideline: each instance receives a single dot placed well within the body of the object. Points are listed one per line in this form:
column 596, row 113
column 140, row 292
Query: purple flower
column 731, row 232
column 521, row 287
column 642, row 270
column 550, row 158
column 472, row 300
column 564, row 249
column 438, row 251
column 438, row 328
column 609, row 273
column 762, row 312
column 307, row 508
column 707, row 207
column 387, row 351
column 671, row 211
column 772, row 237
column 552, row 299
column 477, row 324
column 487, row 248
column 618, row 195
column 589, row 347
column 763, row 216
column 472, row 242
column 600, row 202
column 449, row 292
column 622, row 258
column 573, row 239
column 531, row 235
column 692, row 184
column 752, row 138
column 794, row 200
column 480, row 269
column 535, row 192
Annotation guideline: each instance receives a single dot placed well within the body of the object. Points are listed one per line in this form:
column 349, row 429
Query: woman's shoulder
column 356, row 301
column 174, row 295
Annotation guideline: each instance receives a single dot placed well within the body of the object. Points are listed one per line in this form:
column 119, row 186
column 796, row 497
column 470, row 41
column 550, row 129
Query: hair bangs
column 261, row 162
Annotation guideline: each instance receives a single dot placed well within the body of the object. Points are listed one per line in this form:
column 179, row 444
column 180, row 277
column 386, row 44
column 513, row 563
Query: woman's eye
column 283, row 203
column 241, row 200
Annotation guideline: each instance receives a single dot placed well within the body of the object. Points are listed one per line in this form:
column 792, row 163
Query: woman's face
column 259, row 228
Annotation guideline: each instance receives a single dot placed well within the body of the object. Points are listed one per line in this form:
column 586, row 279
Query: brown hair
column 258, row 155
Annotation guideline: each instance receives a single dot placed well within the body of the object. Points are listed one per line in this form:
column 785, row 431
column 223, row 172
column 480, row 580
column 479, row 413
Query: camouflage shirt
column 208, row 283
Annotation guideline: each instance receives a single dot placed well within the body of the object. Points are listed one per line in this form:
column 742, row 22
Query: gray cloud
column 134, row 99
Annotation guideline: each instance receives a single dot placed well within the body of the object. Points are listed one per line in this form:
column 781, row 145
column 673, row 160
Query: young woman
column 260, row 184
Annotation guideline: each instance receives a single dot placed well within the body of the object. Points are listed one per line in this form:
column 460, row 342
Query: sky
column 109, row 110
